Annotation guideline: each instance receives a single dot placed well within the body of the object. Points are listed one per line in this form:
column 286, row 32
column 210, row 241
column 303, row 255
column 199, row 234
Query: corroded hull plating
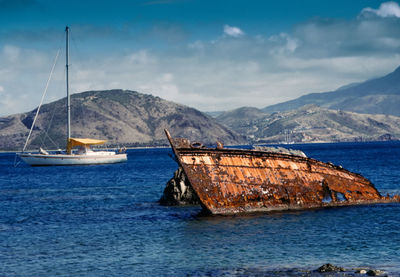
column 229, row 181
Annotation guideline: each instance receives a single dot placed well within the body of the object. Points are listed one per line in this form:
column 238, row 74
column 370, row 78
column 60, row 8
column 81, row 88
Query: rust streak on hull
column 229, row 181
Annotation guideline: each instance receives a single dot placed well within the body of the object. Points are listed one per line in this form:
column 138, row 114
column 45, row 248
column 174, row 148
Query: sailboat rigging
column 84, row 154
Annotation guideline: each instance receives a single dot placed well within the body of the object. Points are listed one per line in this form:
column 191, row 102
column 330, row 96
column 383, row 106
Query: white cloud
column 141, row 57
column 233, row 31
column 11, row 53
column 386, row 9
column 23, row 75
column 197, row 45
column 284, row 43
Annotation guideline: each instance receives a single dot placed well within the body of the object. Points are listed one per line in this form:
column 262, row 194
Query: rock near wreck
column 178, row 191
column 330, row 268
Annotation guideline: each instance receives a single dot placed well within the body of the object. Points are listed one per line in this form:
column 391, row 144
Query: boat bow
column 230, row 181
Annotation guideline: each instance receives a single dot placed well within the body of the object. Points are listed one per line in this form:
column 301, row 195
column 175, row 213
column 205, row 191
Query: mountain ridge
column 119, row 116
column 375, row 96
column 312, row 123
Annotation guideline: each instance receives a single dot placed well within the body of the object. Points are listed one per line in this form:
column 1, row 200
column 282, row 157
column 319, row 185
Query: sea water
column 104, row 220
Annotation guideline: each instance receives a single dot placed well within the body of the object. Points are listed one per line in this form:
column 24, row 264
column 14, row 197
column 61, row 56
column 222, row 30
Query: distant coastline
column 240, row 145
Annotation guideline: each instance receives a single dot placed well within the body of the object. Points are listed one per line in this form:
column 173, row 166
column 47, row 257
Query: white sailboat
column 83, row 155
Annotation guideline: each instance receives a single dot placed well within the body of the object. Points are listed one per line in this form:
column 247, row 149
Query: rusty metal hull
column 229, row 181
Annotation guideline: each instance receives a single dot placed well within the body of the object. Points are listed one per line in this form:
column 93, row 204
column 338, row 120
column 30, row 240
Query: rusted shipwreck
column 231, row 181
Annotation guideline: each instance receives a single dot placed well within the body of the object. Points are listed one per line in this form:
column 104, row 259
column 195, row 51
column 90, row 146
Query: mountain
column 310, row 123
column 376, row 96
column 120, row 116
column 243, row 120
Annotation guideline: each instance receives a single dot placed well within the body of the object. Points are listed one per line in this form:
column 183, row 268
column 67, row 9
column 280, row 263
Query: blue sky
column 211, row 55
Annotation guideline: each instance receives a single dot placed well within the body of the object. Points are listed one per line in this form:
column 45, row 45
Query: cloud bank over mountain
column 232, row 66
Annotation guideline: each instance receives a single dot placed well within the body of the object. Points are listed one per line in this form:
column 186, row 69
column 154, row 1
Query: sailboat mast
column 67, row 81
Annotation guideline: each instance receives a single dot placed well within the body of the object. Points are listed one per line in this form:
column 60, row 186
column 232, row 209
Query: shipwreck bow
column 230, row 181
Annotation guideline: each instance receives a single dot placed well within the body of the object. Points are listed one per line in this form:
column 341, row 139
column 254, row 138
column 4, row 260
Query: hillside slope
column 376, row 96
column 121, row 117
column 312, row 124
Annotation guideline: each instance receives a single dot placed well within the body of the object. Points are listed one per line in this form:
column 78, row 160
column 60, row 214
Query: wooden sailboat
column 83, row 155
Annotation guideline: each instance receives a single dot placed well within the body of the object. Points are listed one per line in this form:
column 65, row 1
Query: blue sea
column 105, row 221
